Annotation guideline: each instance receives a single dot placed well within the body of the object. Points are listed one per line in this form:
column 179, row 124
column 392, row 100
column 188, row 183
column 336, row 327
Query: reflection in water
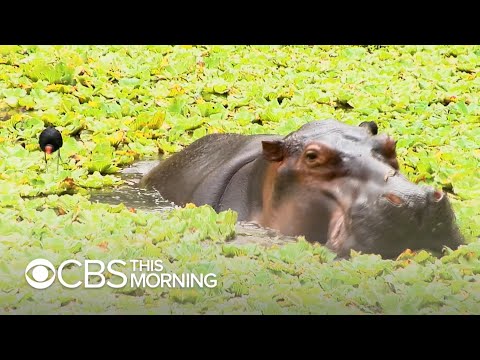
column 132, row 196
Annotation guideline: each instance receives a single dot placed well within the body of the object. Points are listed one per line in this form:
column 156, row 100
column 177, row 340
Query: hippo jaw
column 340, row 186
column 372, row 231
column 420, row 218
column 377, row 222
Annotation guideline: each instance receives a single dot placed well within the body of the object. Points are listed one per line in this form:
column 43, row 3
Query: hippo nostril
column 394, row 199
column 438, row 195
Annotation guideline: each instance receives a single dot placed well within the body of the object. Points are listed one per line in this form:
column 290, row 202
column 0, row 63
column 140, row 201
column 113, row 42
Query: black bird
column 50, row 140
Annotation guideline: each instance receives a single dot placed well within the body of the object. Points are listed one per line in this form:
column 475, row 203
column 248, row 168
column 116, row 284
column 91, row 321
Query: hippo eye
column 311, row 155
column 320, row 154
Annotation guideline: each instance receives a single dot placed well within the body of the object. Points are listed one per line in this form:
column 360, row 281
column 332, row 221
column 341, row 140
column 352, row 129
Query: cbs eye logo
column 40, row 273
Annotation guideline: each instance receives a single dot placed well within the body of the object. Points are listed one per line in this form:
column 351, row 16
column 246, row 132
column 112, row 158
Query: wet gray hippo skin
column 331, row 182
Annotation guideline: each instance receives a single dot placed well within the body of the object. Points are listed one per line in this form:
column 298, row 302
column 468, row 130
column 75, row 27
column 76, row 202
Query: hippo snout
column 415, row 200
column 431, row 196
column 411, row 217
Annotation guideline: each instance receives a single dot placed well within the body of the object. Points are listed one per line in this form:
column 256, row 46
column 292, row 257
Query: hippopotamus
column 332, row 183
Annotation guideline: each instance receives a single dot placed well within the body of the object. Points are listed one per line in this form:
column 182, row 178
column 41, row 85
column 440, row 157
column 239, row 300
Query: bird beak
column 48, row 149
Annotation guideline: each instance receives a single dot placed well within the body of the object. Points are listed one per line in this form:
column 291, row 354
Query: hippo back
column 202, row 171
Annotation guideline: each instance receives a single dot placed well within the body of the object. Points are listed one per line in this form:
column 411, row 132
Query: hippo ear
column 273, row 150
column 371, row 127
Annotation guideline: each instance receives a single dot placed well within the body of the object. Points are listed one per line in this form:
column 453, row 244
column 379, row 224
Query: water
column 133, row 196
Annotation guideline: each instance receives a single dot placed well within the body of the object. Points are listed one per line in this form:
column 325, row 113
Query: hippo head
column 340, row 185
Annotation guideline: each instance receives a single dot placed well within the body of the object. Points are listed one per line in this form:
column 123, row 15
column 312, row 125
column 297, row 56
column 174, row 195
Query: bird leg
column 58, row 159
